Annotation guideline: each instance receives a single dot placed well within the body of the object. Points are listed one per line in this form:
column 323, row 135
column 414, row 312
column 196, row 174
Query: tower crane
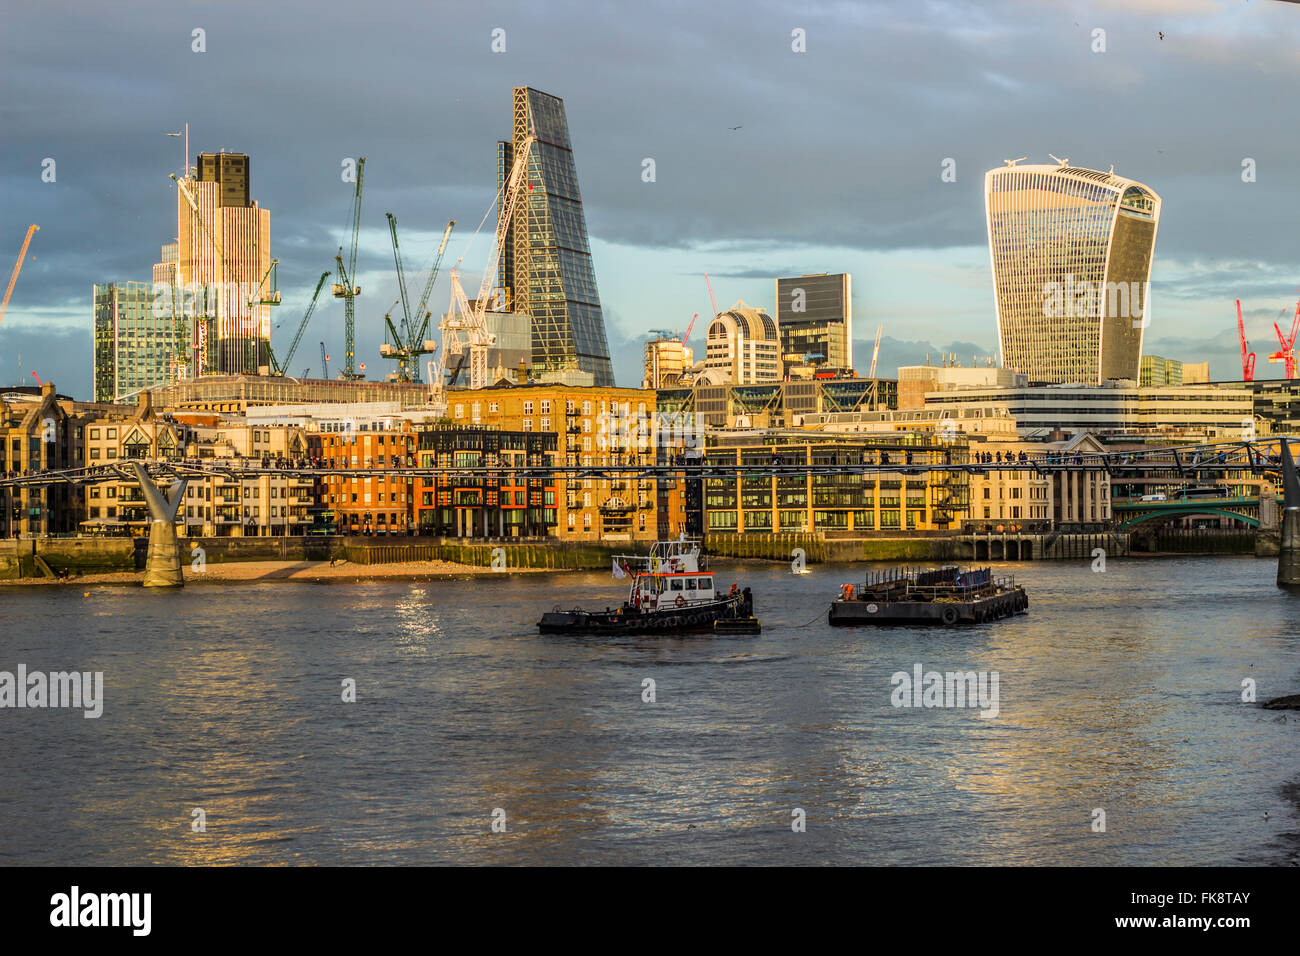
column 875, row 352
column 1247, row 356
column 324, row 362
column 687, row 334
column 713, row 299
column 346, row 288
column 18, row 266
column 1286, row 354
column 409, row 344
column 471, row 320
column 281, row 368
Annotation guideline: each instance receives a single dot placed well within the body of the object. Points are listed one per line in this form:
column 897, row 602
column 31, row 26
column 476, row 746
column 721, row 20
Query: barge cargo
column 943, row 596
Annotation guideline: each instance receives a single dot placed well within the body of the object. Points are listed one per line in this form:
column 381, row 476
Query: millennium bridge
column 1272, row 458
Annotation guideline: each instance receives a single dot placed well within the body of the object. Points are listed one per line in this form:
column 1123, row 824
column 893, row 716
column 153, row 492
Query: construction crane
column 346, row 288
column 22, row 254
column 875, row 352
column 1286, row 354
column 324, row 362
column 687, row 334
column 409, row 344
column 1247, row 356
column 272, row 296
column 713, row 299
column 472, row 320
column 280, row 368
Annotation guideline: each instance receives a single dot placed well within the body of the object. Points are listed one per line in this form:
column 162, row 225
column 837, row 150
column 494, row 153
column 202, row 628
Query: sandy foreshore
column 238, row 572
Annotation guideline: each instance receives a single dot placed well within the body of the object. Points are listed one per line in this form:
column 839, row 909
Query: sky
column 835, row 167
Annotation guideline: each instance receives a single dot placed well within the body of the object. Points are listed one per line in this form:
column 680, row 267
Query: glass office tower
column 545, row 268
column 138, row 340
column 1071, row 251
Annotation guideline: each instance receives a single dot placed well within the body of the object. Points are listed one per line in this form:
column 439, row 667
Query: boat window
column 677, row 584
column 691, row 584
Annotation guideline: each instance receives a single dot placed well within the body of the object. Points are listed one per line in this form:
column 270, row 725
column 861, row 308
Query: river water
column 1119, row 691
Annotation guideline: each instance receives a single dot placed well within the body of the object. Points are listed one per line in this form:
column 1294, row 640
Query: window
column 528, row 408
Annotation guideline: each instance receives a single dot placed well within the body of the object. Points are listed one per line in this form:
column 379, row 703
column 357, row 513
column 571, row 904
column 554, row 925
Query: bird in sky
column 1162, row 36
column 735, row 127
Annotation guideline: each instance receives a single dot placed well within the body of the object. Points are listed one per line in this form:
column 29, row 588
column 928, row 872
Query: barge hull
column 854, row 611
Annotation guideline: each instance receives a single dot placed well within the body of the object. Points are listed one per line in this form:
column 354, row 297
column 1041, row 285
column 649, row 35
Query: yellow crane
column 22, row 254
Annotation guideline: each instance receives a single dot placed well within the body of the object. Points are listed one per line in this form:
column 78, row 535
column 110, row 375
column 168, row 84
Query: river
column 1118, row 691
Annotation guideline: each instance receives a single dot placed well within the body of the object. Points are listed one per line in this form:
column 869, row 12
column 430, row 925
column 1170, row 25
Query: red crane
column 713, row 299
column 1286, row 354
column 1247, row 356
column 687, row 334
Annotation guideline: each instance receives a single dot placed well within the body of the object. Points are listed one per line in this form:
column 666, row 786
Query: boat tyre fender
column 949, row 615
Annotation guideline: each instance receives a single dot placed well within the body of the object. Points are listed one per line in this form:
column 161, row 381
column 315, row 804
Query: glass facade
column 815, row 315
column 545, row 262
column 1071, row 252
column 134, row 347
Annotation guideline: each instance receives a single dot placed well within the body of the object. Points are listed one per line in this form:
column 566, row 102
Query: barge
column 670, row 593
column 943, row 596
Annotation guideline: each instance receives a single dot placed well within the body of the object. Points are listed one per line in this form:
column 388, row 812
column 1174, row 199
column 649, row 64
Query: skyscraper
column 743, row 347
column 815, row 315
column 1071, row 250
column 232, row 320
column 137, row 342
column 545, row 265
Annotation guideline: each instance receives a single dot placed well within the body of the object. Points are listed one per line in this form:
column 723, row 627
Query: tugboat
column 670, row 594
column 948, row 595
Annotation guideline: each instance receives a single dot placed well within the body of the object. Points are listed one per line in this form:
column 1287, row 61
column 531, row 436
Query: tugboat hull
column 672, row 620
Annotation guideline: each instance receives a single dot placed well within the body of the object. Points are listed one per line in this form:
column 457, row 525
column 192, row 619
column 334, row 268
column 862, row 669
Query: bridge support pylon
column 1288, row 559
column 162, row 565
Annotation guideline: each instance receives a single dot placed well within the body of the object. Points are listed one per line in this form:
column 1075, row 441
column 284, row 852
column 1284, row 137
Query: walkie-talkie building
column 545, row 267
column 1071, row 251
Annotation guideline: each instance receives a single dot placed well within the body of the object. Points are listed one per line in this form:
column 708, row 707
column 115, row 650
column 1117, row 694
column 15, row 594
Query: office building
column 223, row 254
column 1157, row 370
column 788, row 404
column 743, row 347
column 136, row 344
column 1071, row 252
column 665, row 360
column 915, row 381
column 839, row 505
column 545, row 268
column 1118, row 410
column 815, row 316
